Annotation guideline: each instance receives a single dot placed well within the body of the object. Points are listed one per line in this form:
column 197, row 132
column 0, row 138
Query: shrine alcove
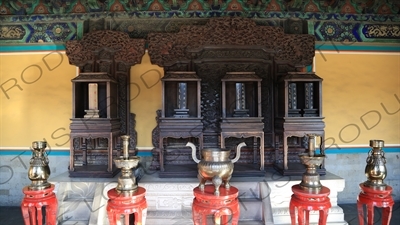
column 104, row 59
column 220, row 88
column 212, row 51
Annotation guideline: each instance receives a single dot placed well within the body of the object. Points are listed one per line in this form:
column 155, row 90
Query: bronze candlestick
column 126, row 182
column 311, row 179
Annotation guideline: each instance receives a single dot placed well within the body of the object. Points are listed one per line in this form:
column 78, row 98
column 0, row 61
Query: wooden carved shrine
column 222, row 54
column 298, row 113
column 100, row 100
column 181, row 110
column 226, row 81
column 241, row 110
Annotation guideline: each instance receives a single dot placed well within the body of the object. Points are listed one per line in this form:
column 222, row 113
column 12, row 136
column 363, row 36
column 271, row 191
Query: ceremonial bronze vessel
column 127, row 181
column 311, row 179
column 375, row 170
column 39, row 170
column 215, row 165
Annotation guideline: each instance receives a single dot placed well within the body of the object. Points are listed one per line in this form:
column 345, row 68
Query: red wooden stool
column 305, row 201
column 221, row 207
column 371, row 197
column 33, row 202
column 125, row 204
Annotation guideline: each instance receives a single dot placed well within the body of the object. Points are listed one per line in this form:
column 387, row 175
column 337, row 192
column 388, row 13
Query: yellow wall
column 145, row 99
column 355, row 87
column 38, row 105
column 35, row 98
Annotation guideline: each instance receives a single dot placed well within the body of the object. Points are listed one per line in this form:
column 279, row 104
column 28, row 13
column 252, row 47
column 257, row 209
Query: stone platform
column 263, row 200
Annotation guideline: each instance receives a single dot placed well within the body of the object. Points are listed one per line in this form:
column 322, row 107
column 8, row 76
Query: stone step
column 79, row 202
column 316, row 223
column 252, row 223
column 263, row 200
column 74, row 222
column 250, row 209
column 184, row 218
column 335, row 216
column 247, row 190
column 74, row 210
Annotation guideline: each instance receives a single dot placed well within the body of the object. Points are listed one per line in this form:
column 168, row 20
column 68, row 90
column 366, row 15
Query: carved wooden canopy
column 169, row 48
column 125, row 49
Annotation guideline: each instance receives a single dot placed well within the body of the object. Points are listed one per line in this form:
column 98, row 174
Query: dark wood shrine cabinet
column 180, row 119
column 95, row 127
column 100, row 105
column 241, row 110
column 298, row 110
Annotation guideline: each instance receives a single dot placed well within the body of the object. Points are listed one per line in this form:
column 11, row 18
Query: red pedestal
column 33, row 202
column 305, row 201
column 374, row 197
column 126, row 204
column 224, row 209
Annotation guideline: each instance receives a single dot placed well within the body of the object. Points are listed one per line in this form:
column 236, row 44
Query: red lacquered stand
column 33, row 202
column 120, row 203
column 371, row 197
column 305, row 201
column 224, row 208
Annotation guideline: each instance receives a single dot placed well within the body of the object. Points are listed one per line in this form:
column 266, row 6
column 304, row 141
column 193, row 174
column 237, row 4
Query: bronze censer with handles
column 215, row 165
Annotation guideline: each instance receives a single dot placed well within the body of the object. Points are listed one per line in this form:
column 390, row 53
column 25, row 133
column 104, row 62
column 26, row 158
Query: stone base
column 91, row 113
column 263, row 200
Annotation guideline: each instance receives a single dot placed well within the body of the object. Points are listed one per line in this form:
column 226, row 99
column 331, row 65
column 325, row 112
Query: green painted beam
column 319, row 46
column 31, row 47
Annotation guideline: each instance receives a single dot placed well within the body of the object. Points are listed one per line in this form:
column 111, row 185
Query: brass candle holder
column 127, row 181
column 39, row 170
column 311, row 179
column 375, row 170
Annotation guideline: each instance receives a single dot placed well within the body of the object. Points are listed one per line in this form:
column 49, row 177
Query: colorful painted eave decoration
column 203, row 14
column 31, row 7
column 42, row 21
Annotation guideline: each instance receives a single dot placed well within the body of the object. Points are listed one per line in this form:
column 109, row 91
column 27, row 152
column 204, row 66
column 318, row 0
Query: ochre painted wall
column 145, row 99
column 361, row 97
column 35, row 98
